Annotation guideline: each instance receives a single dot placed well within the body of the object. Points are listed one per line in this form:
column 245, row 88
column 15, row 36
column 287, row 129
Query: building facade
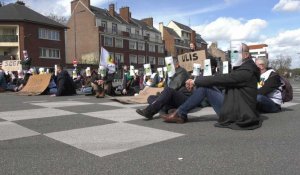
column 177, row 38
column 24, row 29
column 259, row 51
column 130, row 41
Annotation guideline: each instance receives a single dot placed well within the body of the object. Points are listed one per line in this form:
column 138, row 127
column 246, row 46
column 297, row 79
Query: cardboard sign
column 187, row 60
column 36, row 84
column 225, row 67
column 11, row 65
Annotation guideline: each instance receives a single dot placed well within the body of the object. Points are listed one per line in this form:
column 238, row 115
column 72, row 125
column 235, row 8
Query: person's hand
column 124, row 92
column 189, row 84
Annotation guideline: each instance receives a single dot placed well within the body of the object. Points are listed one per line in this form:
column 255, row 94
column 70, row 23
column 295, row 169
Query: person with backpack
column 269, row 97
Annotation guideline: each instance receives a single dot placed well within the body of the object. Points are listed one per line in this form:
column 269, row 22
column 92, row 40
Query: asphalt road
column 84, row 135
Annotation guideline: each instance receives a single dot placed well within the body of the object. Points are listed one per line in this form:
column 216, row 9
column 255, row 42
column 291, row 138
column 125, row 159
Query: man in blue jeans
column 237, row 107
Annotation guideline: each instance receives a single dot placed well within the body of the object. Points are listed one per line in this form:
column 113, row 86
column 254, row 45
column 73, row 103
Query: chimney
column 161, row 29
column 148, row 21
column 111, row 9
column 73, row 4
column 193, row 36
column 86, row 3
column 20, row 3
column 125, row 14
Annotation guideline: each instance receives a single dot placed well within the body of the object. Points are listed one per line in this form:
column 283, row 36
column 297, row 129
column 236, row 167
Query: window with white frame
column 49, row 34
column 128, row 29
column 152, row 60
column 151, row 48
column 161, row 49
column 137, row 32
column 141, row 46
column 119, row 58
column 119, row 42
column 132, row 59
column 49, row 53
column 132, row 45
column 161, row 61
column 114, row 28
column 104, row 25
column 141, row 59
column 108, row 41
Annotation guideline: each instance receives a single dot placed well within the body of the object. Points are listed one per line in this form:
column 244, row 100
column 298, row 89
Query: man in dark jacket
column 65, row 84
column 237, row 108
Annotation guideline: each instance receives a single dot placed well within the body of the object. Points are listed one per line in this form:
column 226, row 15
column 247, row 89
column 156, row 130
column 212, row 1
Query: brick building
column 214, row 51
column 24, row 29
column 177, row 38
column 129, row 40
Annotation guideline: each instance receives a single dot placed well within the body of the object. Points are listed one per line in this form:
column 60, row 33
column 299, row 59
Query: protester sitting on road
column 237, row 108
column 21, row 81
column 130, row 84
column 3, row 83
column 151, row 80
column 65, row 84
column 269, row 96
column 169, row 98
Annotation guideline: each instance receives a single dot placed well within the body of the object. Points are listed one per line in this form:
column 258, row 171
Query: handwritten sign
column 187, row 60
column 11, row 65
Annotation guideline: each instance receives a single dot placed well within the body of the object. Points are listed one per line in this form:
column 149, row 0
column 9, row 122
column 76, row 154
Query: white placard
column 225, row 67
column 131, row 70
column 170, row 66
column 102, row 71
column 88, row 71
column 207, row 68
column 196, row 69
column 148, row 71
column 160, row 72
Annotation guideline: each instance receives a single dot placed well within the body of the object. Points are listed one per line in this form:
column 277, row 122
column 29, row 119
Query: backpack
column 287, row 90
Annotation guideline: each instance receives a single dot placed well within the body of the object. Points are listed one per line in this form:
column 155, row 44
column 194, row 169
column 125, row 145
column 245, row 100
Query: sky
column 272, row 22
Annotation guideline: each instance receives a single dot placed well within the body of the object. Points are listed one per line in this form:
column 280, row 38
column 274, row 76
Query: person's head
column 192, row 46
column 245, row 51
column 175, row 61
column 262, row 64
column 59, row 68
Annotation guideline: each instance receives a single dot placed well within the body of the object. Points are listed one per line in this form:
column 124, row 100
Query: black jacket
column 178, row 80
column 26, row 63
column 65, row 84
column 271, row 84
column 239, row 106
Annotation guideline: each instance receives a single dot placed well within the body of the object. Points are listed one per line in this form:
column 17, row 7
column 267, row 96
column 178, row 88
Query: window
column 119, row 58
column 141, row 46
column 49, row 53
column 161, row 49
column 141, row 59
column 132, row 45
column 262, row 52
column 161, row 61
column 156, row 37
column 132, row 59
column 152, row 60
column 108, row 41
column 137, row 32
column 119, row 42
column 104, row 25
column 253, row 53
column 48, row 34
column 151, row 48
column 128, row 29
column 114, row 28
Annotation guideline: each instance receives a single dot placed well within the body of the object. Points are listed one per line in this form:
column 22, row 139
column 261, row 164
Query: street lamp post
column 75, row 35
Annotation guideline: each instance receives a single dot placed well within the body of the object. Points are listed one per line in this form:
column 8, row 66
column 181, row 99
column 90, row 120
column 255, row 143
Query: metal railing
column 8, row 38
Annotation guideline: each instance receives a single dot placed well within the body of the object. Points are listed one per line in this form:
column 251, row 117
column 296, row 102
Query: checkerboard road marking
column 10, row 130
column 112, row 138
column 61, row 104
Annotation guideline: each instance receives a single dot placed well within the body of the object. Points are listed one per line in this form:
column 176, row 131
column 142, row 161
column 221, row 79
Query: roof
column 199, row 39
column 183, row 27
column 104, row 14
column 172, row 32
column 257, row 46
column 17, row 12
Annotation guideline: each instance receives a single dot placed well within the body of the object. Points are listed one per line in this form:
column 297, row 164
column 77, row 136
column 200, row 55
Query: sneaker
column 145, row 112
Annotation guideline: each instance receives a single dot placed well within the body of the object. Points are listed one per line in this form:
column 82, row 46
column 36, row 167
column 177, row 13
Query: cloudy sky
column 273, row 22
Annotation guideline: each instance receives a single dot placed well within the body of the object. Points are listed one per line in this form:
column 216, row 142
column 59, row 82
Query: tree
column 281, row 64
column 60, row 19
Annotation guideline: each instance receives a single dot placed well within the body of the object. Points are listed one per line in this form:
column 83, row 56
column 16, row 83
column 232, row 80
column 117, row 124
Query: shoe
column 173, row 118
column 145, row 112
column 171, row 110
column 101, row 94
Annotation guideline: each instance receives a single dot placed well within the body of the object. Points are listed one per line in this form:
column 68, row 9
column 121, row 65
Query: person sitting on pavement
column 151, row 80
column 237, row 108
column 3, row 83
column 130, row 84
column 170, row 98
column 98, row 82
column 269, row 96
column 65, row 84
column 21, row 81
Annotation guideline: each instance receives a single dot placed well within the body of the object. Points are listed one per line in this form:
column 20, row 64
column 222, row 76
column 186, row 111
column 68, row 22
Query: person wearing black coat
column 65, row 84
column 237, row 107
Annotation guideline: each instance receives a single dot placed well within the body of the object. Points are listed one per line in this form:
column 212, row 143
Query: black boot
column 147, row 112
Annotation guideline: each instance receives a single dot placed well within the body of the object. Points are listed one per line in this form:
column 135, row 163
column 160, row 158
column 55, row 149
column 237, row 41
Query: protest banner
column 36, row 84
column 11, row 65
column 141, row 98
column 187, row 60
